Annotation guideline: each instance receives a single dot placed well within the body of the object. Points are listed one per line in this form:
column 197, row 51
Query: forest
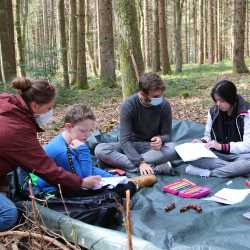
column 95, row 51
column 78, row 42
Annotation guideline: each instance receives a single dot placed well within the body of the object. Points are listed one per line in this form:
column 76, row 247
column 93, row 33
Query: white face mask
column 44, row 118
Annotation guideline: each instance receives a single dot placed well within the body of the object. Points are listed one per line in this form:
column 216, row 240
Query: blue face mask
column 156, row 101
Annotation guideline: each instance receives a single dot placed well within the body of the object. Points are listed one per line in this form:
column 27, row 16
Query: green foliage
column 195, row 80
column 42, row 64
column 93, row 96
column 6, row 88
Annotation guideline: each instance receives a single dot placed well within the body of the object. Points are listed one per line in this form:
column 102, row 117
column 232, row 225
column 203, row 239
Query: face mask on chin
column 156, row 101
column 44, row 118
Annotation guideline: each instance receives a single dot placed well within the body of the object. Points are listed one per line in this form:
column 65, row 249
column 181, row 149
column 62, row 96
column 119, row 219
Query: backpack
column 96, row 207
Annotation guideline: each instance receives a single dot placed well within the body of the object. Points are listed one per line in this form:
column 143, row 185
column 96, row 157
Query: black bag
column 96, row 207
column 92, row 207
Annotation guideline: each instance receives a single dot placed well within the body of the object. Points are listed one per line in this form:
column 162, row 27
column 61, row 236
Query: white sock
column 197, row 171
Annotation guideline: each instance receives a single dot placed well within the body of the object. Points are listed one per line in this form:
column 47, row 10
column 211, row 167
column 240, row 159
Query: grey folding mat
column 217, row 227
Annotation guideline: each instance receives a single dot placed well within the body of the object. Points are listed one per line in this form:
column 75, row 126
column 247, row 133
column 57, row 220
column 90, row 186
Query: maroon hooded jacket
column 19, row 146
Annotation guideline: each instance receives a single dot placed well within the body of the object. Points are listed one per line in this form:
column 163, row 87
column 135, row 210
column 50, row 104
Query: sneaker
column 143, row 181
column 164, row 169
column 197, row 171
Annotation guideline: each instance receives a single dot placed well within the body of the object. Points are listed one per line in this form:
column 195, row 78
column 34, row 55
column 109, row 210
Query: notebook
column 229, row 196
column 112, row 182
column 193, row 151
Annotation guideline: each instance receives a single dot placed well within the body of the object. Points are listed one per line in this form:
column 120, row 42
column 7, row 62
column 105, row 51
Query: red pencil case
column 186, row 189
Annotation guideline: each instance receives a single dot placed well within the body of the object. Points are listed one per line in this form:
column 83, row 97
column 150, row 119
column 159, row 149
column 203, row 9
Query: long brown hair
column 39, row 91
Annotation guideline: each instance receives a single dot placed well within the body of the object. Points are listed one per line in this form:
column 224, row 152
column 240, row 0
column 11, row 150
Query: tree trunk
column 63, row 43
column 239, row 65
column 90, row 39
column 1, row 77
column 46, row 37
column 174, row 32
column 178, row 45
column 20, row 40
column 163, row 39
column 106, row 43
column 73, row 40
column 211, row 31
column 129, row 48
column 195, row 30
column 220, row 28
column 186, row 60
column 205, row 33
column 216, row 54
column 156, row 45
column 81, row 64
column 97, row 35
column 146, row 35
column 247, row 31
column 7, row 40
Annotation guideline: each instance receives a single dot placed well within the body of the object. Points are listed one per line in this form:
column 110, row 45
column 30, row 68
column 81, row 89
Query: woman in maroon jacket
column 21, row 117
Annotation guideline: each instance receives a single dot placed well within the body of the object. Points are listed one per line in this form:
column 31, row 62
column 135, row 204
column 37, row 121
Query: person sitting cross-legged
column 227, row 133
column 145, row 128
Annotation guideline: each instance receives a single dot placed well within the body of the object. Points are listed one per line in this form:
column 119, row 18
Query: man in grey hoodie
column 145, row 129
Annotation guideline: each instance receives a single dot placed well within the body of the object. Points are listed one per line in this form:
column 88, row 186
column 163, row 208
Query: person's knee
column 9, row 217
column 169, row 152
column 13, row 216
column 103, row 149
column 100, row 150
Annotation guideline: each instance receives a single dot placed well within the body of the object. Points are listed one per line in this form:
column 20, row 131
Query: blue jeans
column 8, row 213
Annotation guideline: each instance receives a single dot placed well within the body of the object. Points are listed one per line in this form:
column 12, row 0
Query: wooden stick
column 61, row 195
column 134, row 65
column 128, row 220
column 53, row 234
column 34, row 235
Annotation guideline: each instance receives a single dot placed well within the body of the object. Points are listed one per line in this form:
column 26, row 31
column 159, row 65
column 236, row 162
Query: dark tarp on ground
column 218, row 227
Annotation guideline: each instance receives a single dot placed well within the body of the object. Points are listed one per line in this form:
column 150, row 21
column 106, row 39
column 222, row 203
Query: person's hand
column 196, row 141
column 91, row 181
column 76, row 143
column 156, row 143
column 213, row 144
column 145, row 169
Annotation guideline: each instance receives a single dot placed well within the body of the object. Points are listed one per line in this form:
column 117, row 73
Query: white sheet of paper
column 192, row 151
column 112, row 182
column 229, row 196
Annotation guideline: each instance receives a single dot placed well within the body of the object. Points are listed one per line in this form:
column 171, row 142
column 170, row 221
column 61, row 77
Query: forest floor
column 187, row 92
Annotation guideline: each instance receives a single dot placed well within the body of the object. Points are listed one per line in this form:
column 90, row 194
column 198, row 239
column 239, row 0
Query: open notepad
column 112, row 182
column 193, row 151
column 229, row 196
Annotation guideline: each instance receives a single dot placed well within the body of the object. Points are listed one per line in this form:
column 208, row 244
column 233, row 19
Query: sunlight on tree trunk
column 107, row 60
column 63, row 43
column 163, row 39
column 178, row 46
column 239, row 65
column 128, row 40
column 7, row 40
column 73, row 40
column 81, row 64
